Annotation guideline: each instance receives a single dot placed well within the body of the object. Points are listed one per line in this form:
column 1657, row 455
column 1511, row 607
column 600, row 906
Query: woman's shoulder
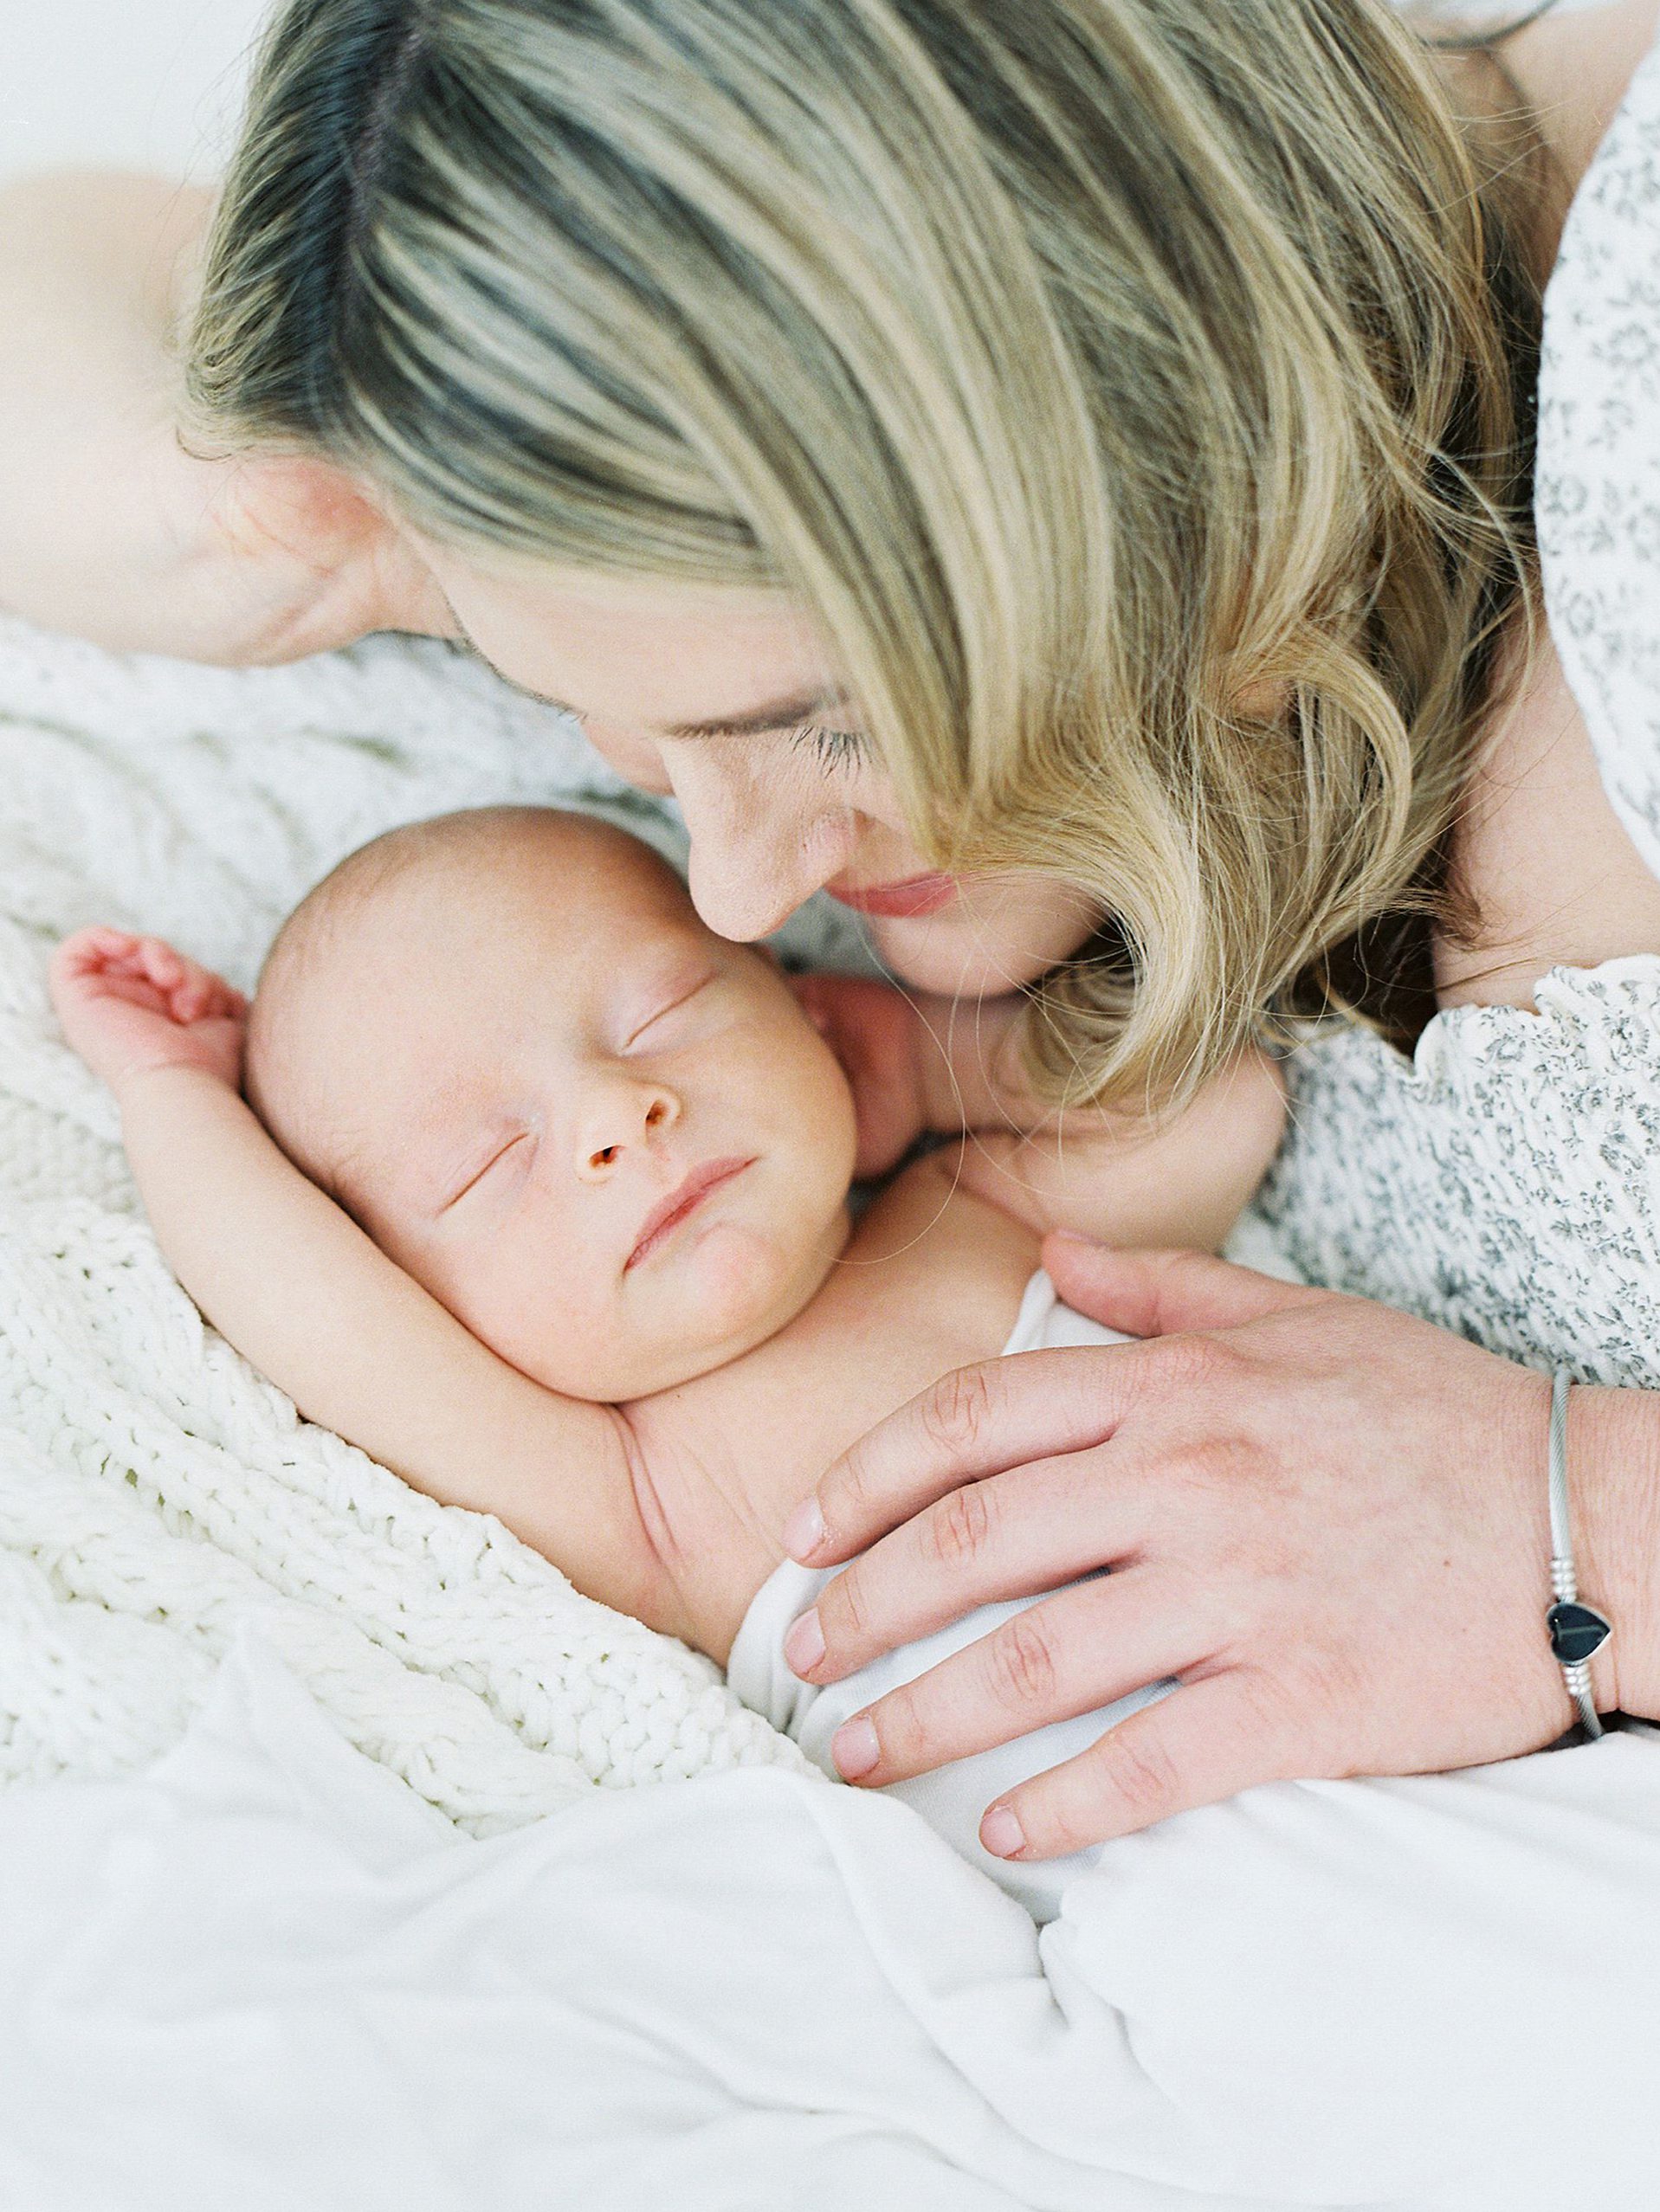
column 1598, row 496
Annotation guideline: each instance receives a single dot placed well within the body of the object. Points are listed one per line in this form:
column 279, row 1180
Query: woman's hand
column 1328, row 1519
column 270, row 560
column 109, row 527
column 130, row 1005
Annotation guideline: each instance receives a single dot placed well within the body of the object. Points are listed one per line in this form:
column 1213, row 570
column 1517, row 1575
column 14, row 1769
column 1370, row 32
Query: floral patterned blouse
column 1505, row 1181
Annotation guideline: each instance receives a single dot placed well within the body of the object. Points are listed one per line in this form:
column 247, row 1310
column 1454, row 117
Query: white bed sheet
column 268, row 1975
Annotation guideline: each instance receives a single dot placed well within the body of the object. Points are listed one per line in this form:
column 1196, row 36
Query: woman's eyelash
column 835, row 748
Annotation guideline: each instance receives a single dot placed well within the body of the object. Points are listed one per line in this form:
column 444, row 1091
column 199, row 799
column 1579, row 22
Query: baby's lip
column 667, row 1216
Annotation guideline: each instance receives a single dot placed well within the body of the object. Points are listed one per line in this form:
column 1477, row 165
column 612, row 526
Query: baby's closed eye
column 675, row 999
column 512, row 1153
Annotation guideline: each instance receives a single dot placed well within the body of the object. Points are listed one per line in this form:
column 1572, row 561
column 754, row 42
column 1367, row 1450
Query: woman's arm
column 108, row 527
column 1330, row 1523
column 917, row 1062
column 292, row 1282
column 1184, row 1182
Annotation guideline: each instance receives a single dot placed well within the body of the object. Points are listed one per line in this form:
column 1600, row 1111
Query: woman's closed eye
column 834, row 749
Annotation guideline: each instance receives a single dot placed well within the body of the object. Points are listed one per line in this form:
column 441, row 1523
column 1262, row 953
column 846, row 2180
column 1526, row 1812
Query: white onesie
column 952, row 1798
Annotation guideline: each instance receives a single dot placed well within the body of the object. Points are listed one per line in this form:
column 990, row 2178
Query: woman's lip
column 916, row 894
column 674, row 1209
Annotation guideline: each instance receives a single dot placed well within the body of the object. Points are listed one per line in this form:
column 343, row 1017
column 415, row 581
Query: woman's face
column 726, row 700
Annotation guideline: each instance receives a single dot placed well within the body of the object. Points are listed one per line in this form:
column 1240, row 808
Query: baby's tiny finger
column 162, row 965
column 101, row 937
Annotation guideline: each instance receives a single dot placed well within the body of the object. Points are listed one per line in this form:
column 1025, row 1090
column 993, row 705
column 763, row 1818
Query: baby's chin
column 727, row 1291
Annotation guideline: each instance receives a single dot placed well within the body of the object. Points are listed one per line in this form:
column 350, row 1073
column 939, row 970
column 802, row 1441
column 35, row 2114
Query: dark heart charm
column 1578, row 1632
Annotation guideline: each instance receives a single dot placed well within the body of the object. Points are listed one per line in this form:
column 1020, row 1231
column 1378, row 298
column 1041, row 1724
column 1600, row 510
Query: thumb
column 1162, row 1293
column 810, row 995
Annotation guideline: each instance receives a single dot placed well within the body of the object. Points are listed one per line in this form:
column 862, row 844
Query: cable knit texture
column 154, row 1491
column 1506, row 1183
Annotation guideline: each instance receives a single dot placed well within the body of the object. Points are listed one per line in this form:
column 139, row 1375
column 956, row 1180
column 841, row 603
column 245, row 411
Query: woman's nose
column 741, row 905
column 629, row 1116
column 748, row 875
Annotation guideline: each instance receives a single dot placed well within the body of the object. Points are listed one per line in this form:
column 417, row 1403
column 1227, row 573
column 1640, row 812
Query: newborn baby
column 539, row 1193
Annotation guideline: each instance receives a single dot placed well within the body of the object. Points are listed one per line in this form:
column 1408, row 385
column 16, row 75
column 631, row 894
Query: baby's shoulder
column 933, row 1247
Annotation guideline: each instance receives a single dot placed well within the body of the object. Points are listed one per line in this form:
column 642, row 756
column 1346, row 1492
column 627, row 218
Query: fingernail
column 1001, row 1832
column 1071, row 1236
column 804, row 1645
column 804, row 1530
column 855, row 1749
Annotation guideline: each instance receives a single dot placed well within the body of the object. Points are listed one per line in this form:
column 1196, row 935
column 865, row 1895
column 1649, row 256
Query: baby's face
column 607, row 1140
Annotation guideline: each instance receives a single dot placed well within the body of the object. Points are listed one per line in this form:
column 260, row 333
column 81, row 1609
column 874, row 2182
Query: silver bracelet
column 1578, row 1632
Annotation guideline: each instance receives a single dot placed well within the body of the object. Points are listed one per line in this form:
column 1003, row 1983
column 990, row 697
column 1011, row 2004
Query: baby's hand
column 131, row 1004
column 880, row 1039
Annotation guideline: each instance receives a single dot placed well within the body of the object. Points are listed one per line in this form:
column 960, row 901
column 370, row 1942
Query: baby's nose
column 632, row 1118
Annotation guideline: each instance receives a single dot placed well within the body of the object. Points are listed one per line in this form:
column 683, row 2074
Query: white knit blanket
column 155, row 1492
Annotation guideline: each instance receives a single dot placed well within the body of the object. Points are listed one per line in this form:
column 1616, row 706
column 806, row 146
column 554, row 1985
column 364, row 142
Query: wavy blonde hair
column 1136, row 390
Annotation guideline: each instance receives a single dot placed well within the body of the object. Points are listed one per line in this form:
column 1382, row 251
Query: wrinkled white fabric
column 267, row 1975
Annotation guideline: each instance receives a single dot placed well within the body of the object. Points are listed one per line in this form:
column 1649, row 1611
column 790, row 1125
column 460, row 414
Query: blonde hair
column 1134, row 390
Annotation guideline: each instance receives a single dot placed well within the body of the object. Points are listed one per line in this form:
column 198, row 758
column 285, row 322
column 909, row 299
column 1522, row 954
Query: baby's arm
column 293, row 1282
column 954, row 1066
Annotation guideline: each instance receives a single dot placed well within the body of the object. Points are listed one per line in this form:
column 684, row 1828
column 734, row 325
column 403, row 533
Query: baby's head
column 609, row 1141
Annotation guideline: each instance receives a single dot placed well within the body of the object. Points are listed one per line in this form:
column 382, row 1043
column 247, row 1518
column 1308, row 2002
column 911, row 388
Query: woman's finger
column 975, row 1422
column 1163, row 1293
column 1007, row 1536
column 1206, row 1742
column 1081, row 1649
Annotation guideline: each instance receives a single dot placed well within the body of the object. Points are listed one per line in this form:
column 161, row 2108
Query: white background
column 142, row 84
column 145, row 84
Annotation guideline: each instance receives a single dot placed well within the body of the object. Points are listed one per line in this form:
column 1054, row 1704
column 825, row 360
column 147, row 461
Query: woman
column 1058, row 477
